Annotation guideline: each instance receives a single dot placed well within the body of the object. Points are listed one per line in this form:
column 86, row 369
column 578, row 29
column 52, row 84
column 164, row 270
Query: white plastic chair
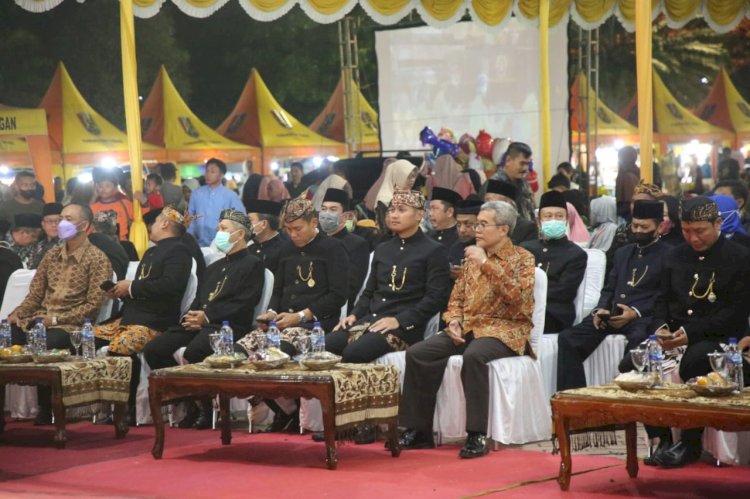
column 130, row 274
column 586, row 299
column 364, row 284
column 20, row 401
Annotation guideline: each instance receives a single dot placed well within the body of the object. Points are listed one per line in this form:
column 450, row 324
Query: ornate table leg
column 631, row 444
column 393, row 438
column 329, row 429
column 154, row 397
column 225, row 420
column 121, row 422
column 2, row 408
column 58, row 410
column 561, row 430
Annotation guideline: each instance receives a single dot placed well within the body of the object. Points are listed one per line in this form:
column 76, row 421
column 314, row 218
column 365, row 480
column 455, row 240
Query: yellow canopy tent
column 24, row 141
column 610, row 126
column 168, row 121
column 331, row 123
column 259, row 120
column 725, row 107
column 78, row 134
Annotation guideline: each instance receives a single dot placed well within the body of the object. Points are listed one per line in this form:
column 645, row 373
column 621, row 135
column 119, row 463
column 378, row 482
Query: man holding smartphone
column 626, row 303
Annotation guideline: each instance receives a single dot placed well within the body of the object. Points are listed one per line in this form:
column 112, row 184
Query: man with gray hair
column 488, row 318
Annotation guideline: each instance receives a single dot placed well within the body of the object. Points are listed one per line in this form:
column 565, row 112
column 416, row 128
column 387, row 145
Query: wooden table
column 51, row 375
column 584, row 408
column 168, row 385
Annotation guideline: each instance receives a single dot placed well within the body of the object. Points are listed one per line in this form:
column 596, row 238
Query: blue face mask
column 222, row 242
column 554, row 229
column 729, row 221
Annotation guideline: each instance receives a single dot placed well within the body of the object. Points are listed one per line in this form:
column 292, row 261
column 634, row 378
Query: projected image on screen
column 466, row 79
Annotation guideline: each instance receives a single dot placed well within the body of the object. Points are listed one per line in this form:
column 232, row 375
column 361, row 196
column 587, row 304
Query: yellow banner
column 739, row 109
column 18, row 121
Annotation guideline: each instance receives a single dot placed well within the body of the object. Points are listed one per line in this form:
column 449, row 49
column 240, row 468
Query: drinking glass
column 262, row 341
column 76, row 338
column 718, row 362
column 639, row 357
column 303, row 345
column 217, row 342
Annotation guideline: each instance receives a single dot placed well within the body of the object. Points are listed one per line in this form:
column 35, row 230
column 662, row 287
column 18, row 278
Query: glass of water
column 718, row 362
column 217, row 342
column 639, row 356
column 303, row 344
column 76, row 339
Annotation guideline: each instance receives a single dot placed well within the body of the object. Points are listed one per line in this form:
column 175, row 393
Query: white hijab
column 395, row 176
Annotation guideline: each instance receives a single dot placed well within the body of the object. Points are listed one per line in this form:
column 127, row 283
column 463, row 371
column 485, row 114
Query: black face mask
column 643, row 238
column 27, row 194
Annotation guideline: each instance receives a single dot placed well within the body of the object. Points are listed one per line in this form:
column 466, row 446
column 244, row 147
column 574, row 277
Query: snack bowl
column 712, row 390
column 225, row 361
column 15, row 355
column 320, row 361
column 50, row 356
column 273, row 358
column 634, row 381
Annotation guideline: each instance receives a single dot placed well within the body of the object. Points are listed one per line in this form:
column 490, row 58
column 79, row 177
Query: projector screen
column 466, row 79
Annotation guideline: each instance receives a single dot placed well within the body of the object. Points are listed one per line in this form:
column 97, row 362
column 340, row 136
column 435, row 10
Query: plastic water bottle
column 5, row 336
column 274, row 335
column 734, row 364
column 227, row 338
column 40, row 337
column 87, row 340
column 318, row 339
column 656, row 358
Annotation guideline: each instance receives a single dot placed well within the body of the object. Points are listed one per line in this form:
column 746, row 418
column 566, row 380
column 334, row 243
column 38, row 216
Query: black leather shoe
column 365, row 435
column 475, row 446
column 656, row 454
column 190, row 417
column 285, row 423
column 413, row 439
column 318, row 436
column 681, row 454
column 43, row 418
column 204, row 420
column 109, row 420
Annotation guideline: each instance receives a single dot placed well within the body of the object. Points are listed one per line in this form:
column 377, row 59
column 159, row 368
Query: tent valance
column 721, row 15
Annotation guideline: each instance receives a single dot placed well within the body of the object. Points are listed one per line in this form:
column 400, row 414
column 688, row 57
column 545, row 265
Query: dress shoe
column 656, row 453
column 285, row 423
column 365, row 435
column 318, row 436
column 681, row 454
column 190, row 417
column 475, row 446
column 204, row 421
column 413, row 439
column 43, row 418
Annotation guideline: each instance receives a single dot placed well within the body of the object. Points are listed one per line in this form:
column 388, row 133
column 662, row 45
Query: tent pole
column 644, row 74
column 544, row 98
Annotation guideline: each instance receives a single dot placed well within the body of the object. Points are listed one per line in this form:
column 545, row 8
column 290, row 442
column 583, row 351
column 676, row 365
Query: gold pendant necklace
column 633, row 282
column 144, row 273
column 219, row 287
column 709, row 290
column 394, row 272
column 309, row 279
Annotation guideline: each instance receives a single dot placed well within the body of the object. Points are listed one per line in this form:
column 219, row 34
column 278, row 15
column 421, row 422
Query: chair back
column 190, row 289
column 590, row 288
column 364, row 283
column 265, row 296
column 130, row 274
column 540, row 307
column 16, row 290
column 106, row 311
column 432, row 326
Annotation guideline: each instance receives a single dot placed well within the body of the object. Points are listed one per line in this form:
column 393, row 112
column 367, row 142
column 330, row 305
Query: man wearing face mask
column 231, row 287
column 152, row 300
column 24, row 187
column 267, row 241
column 332, row 219
column 562, row 260
column 64, row 291
column 627, row 300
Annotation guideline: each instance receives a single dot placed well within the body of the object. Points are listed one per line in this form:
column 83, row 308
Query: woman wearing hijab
column 579, row 234
column 603, row 221
column 399, row 176
column 731, row 225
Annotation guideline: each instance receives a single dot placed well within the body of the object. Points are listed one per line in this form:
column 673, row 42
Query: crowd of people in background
column 432, row 240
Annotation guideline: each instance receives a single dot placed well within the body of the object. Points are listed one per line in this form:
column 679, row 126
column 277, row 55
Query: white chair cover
column 369, row 268
column 130, row 274
column 20, row 401
column 211, row 256
column 265, row 297
column 190, row 290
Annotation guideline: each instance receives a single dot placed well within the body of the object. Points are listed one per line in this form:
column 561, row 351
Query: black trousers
column 159, row 352
column 575, row 344
column 425, row 365
column 366, row 348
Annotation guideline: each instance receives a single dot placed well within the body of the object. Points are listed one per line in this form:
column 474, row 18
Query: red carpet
column 195, row 464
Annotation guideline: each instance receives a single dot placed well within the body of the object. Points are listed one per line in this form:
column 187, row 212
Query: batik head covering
column 415, row 199
column 699, row 209
column 652, row 190
column 237, row 216
column 173, row 215
column 297, row 208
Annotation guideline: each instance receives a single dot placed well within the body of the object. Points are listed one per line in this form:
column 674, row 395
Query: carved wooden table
column 173, row 384
column 51, row 375
column 593, row 407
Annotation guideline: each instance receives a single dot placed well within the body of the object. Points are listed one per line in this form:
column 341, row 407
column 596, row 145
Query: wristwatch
column 301, row 315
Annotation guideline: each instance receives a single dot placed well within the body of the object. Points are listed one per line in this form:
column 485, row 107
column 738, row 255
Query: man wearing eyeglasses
column 50, row 219
column 562, row 260
column 488, row 317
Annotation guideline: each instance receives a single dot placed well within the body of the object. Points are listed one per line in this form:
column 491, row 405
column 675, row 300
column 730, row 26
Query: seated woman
column 488, row 317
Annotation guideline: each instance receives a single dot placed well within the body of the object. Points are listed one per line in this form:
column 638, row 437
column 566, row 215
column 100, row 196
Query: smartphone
column 604, row 316
column 615, row 310
column 107, row 285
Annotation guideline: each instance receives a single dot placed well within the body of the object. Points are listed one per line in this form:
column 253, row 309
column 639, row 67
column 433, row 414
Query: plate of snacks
column 273, row 358
column 50, row 356
column 320, row 361
column 16, row 354
column 634, row 381
column 225, row 361
column 712, row 385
